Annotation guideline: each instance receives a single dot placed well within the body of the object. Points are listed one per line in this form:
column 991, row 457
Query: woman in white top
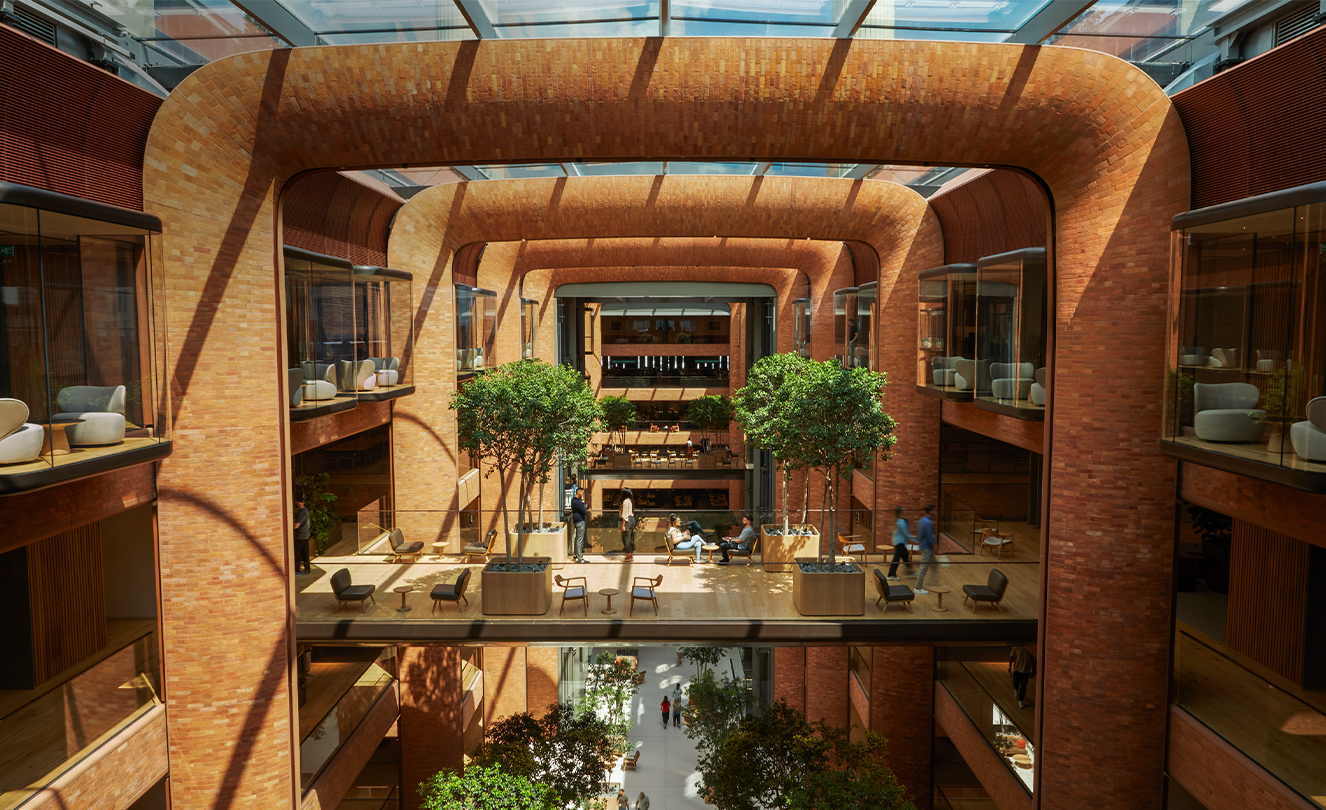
column 628, row 523
column 681, row 539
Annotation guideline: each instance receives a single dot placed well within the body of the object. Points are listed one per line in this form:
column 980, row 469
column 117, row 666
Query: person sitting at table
column 683, row 539
column 743, row 540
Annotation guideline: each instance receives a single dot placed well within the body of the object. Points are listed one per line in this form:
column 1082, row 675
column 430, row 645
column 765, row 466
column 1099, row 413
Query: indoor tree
column 485, row 788
column 565, row 750
column 314, row 491
column 716, row 708
column 610, row 685
column 523, row 416
column 704, row 658
column 711, row 414
column 767, row 410
column 619, row 416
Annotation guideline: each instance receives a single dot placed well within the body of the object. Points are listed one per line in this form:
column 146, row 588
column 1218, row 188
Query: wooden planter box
column 543, row 544
column 516, row 593
column 829, row 594
column 777, row 551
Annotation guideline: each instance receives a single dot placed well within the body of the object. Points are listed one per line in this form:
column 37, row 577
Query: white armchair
column 1226, row 412
column 390, row 366
column 1038, row 388
column 943, row 370
column 319, row 382
column 20, row 440
column 358, row 375
column 101, row 407
column 1308, row 438
column 1010, row 380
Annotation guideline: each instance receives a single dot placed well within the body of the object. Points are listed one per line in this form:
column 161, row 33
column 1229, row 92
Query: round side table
column 56, row 443
column 609, row 592
column 939, row 591
column 403, row 590
column 711, row 548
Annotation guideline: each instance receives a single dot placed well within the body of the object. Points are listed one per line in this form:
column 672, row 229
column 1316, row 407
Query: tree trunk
column 805, row 498
column 786, row 517
column 542, row 484
column 819, row 552
column 833, row 537
column 506, row 520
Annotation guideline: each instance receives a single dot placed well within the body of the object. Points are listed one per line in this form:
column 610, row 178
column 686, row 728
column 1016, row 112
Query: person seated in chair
column 743, row 540
column 684, row 539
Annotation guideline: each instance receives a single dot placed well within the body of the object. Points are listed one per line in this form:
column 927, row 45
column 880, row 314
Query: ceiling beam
column 1047, row 22
column 852, row 18
column 477, row 19
column 664, row 18
column 275, row 18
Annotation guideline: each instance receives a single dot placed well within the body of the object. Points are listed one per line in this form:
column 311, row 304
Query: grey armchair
column 992, row 591
column 357, row 375
column 319, row 381
column 101, row 407
column 346, row 591
column 889, row 592
column 1038, row 388
column 1225, row 412
column 390, row 366
column 1010, row 380
column 20, row 440
column 943, row 370
column 1308, row 438
column 451, row 591
column 400, row 548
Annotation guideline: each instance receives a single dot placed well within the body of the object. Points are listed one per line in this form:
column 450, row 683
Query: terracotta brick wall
column 991, row 212
column 974, row 746
column 338, row 215
column 315, row 433
column 1281, row 509
column 33, row 516
column 902, row 691
column 430, row 724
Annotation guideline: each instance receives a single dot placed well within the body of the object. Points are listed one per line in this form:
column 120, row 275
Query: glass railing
column 48, row 735
column 1269, row 724
column 675, row 456
column 664, row 381
column 978, row 679
column 344, row 716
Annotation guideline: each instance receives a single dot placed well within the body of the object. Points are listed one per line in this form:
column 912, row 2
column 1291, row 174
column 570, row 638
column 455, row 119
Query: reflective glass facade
column 945, row 329
column 324, row 351
column 1008, row 374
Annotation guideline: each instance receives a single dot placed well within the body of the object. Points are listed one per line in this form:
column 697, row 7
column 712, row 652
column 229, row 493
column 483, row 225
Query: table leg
column 939, row 606
column 609, row 609
column 404, row 607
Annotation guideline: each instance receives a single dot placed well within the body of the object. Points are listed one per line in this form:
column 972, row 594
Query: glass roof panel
column 810, row 169
column 1134, row 22
column 604, row 28
column 953, row 15
column 545, row 12
column 878, row 32
column 381, row 35
column 522, row 172
column 605, row 169
column 773, row 12
column 388, row 16
column 723, row 28
column 688, row 167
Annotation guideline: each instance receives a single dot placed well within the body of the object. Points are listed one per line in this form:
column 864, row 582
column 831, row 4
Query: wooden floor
column 1256, row 451
column 1283, row 734
column 688, row 592
column 75, row 455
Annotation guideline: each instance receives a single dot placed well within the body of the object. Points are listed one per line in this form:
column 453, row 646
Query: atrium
column 947, row 373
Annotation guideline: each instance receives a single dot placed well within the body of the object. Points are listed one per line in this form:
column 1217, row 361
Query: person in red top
column 667, row 711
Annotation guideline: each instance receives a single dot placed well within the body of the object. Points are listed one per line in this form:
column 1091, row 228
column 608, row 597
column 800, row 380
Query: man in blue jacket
column 579, row 520
column 925, row 540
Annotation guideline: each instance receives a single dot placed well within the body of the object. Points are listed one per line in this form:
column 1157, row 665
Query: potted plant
column 319, row 500
column 765, row 410
column 619, row 415
column 842, row 427
column 1283, row 402
column 522, row 417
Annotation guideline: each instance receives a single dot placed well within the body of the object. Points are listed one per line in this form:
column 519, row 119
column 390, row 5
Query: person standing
column 925, row 540
column 743, row 540
column 302, row 535
column 642, row 803
column 628, row 523
column 579, row 521
column 676, row 707
column 902, row 537
column 623, row 803
column 667, row 710
column 1021, row 665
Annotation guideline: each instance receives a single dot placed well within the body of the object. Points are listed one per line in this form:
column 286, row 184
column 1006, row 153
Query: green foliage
column 711, row 414
column 619, row 415
column 779, row 760
column 767, row 409
column 716, row 709
column 1212, row 527
column 703, row 657
column 565, row 750
column 320, row 502
column 485, row 788
column 522, row 417
column 1284, row 392
column 610, row 686
column 1178, row 390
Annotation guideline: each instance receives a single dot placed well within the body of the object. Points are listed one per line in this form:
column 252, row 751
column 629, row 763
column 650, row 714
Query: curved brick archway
column 1100, row 134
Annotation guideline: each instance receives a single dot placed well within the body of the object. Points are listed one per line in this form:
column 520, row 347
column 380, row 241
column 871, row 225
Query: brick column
column 790, row 676
column 430, row 726
column 826, row 685
column 902, row 697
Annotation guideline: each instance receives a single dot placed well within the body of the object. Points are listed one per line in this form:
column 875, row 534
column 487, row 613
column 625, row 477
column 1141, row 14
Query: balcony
column 82, row 374
column 640, row 325
column 338, row 688
column 665, row 372
column 323, row 355
column 384, row 325
column 476, row 330
column 1008, row 375
column 1246, row 386
column 945, row 330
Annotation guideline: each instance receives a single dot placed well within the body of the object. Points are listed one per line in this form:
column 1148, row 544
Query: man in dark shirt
column 579, row 521
column 744, row 540
column 925, row 541
column 302, row 534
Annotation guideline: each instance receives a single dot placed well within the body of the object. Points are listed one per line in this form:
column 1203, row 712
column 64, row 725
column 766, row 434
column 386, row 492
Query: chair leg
column 1000, row 606
column 463, row 599
column 909, row 607
column 585, row 605
column 655, row 601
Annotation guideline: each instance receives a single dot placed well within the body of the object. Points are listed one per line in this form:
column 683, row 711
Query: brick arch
column 1102, row 136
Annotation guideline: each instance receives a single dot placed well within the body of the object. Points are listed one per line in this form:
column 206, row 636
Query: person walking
column 1021, row 665
column 925, row 540
column 579, row 521
column 642, row 803
column 902, row 537
column 676, row 708
column 628, row 523
column 623, row 803
column 302, row 534
column 667, row 711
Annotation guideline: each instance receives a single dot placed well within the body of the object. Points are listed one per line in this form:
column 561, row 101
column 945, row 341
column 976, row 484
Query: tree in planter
column 765, row 408
column 485, row 788
column 711, row 414
column 619, row 416
column 704, row 658
column 522, row 416
column 842, row 426
column 320, row 502
column 716, row 708
column 610, row 685
column 565, row 750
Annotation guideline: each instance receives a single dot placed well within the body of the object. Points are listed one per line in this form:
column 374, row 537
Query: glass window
column 528, row 328
column 384, row 318
column 801, row 326
column 81, row 376
column 665, row 372
column 845, row 329
column 476, row 328
column 324, row 351
column 862, row 355
column 1012, row 317
column 1247, row 352
column 946, row 330
column 690, row 325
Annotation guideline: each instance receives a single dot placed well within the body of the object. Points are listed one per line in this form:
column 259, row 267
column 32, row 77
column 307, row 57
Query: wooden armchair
column 642, row 588
column 849, row 544
column 485, row 551
column 573, row 588
column 630, row 763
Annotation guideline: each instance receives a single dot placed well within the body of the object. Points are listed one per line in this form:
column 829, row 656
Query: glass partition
column 528, row 328
column 946, row 330
column 322, row 342
column 337, row 689
column 82, row 386
column 384, row 316
column 801, row 327
column 978, row 680
column 476, row 328
column 1012, row 319
column 635, row 324
column 686, row 371
column 845, row 328
column 1247, row 353
column 860, row 356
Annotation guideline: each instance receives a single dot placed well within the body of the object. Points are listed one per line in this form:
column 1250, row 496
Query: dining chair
column 572, row 591
column 642, row 588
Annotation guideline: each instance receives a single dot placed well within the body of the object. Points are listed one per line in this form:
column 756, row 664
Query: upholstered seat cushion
column 854, row 548
column 642, row 593
column 20, row 440
column 982, row 593
column 355, row 593
column 1038, row 388
column 900, row 593
column 1309, row 438
column 399, row 546
column 1226, row 412
column 475, row 549
column 101, row 407
column 573, row 593
column 444, row 591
